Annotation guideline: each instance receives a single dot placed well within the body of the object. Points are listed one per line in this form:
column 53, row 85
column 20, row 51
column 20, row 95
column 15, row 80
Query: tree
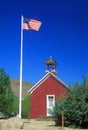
column 75, row 106
column 16, row 105
column 6, row 94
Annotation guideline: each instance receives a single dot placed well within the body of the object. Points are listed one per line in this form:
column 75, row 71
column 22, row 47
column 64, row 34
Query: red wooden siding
column 38, row 97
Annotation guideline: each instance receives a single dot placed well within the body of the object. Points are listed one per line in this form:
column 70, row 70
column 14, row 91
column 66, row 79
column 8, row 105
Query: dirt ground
column 39, row 125
column 43, row 125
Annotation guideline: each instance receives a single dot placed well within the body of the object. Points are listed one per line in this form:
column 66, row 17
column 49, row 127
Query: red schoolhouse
column 46, row 91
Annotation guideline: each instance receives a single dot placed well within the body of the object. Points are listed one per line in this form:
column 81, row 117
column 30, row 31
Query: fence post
column 62, row 120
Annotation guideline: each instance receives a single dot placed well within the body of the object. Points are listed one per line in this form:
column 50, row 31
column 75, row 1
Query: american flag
column 31, row 24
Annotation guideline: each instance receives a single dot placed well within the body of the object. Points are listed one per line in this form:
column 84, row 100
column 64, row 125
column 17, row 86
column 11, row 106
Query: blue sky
column 63, row 35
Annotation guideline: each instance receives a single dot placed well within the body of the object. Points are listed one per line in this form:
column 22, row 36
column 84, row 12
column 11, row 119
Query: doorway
column 50, row 104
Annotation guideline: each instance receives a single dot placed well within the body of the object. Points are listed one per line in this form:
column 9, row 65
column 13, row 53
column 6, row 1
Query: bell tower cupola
column 51, row 65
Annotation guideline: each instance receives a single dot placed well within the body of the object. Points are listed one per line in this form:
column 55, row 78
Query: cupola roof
column 50, row 61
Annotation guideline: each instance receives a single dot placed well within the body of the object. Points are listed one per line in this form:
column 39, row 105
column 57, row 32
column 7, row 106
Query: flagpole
column 21, row 59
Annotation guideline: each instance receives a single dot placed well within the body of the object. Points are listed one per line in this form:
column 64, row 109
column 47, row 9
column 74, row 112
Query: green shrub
column 26, row 107
column 59, row 106
column 75, row 106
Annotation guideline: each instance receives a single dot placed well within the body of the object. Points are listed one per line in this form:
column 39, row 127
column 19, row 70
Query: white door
column 50, row 104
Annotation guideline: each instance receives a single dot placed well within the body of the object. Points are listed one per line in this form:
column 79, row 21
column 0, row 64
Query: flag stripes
column 31, row 24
